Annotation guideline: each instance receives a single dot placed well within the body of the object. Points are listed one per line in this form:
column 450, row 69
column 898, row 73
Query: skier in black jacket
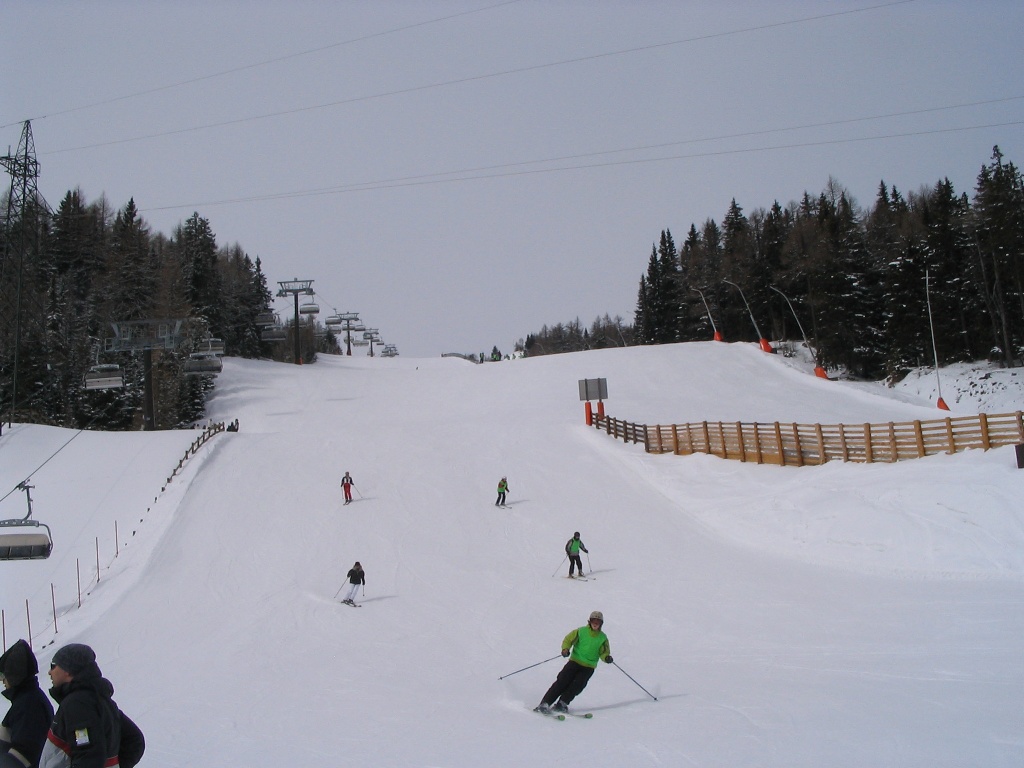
column 23, row 730
column 86, row 731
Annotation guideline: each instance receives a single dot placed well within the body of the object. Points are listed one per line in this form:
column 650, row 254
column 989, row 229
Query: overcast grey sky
column 461, row 173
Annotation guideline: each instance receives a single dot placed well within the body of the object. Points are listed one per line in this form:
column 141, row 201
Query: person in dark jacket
column 23, row 729
column 86, row 730
column 355, row 576
column 346, row 485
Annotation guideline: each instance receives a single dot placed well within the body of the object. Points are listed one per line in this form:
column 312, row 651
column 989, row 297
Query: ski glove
column 608, row 659
column 565, row 652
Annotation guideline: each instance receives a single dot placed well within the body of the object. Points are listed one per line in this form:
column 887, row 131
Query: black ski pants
column 570, row 682
column 574, row 560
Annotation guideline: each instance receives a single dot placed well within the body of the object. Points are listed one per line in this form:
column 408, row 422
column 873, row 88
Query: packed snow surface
column 843, row 615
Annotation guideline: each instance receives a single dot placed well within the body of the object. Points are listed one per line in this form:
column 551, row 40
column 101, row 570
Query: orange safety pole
column 590, row 414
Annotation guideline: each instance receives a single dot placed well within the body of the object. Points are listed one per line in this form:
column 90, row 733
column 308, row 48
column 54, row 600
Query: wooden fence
column 801, row 444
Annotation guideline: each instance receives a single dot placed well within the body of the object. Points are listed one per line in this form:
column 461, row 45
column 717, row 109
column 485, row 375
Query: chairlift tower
column 22, row 238
column 349, row 322
column 372, row 335
column 145, row 336
column 295, row 288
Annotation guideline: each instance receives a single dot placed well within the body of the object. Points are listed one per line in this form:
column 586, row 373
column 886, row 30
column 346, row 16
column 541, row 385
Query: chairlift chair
column 106, row 376
column 274, row 333
column 309, row 308
column 16, row 544
column 215, row 346
column 203, row 364
column 266, row 318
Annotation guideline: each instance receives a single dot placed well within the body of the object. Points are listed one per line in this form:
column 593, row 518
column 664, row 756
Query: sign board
column 593, row 389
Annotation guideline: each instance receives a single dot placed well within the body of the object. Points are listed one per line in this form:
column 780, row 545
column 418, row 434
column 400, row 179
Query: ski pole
column 357, row 490
column 530, row 667
column 559, row 567
column 589, row 567
column 637, row 684
column 339, row 590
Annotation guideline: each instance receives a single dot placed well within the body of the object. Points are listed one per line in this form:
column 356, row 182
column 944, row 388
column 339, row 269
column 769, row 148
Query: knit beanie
column 74, row 658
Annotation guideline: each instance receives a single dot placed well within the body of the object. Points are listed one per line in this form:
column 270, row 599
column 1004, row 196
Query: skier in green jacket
column 584, row 647
column 572, row 549
column 502, row 490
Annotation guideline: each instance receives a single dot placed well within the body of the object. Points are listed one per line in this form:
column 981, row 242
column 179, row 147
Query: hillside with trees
column 89, row 267
column 852, row 279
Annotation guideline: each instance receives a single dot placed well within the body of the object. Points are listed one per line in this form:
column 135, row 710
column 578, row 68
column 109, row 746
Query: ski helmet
column 576, row 535
column 597, row 615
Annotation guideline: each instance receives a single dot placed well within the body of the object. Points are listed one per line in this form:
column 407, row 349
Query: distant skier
column 572, row 549
column 355, row 577
column 346, row 485
column 588, row 645
column 502, row 490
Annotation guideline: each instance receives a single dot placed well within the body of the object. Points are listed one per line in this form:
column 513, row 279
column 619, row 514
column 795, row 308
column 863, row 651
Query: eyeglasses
column 52, row 665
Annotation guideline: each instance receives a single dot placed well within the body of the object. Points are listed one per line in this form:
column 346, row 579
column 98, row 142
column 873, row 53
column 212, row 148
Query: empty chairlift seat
column 108, row 376
column 203, row 364
column 17, row 544
column 273, row 333
column 214, row 346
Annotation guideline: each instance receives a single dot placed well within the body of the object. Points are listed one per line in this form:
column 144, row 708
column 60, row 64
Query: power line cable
column 266, row 62
column 477, row 78
column 423, row 181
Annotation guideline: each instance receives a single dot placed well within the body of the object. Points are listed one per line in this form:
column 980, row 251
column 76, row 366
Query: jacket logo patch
column 82, row 737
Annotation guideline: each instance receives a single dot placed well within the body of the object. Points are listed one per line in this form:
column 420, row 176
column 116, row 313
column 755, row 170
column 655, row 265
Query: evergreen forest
column 70, row 275
column 856, row 283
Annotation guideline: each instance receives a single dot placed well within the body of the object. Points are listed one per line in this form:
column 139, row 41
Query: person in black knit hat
column 86, row 731
column 23, row 729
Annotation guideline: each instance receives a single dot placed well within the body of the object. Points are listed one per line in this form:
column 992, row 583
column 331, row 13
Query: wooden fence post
column 757, row 443
column 821, row 444
column 919, row 438
column 983, row 423
column 949, row 436
column 799, row 448
column 892, row 443
column 778, row 444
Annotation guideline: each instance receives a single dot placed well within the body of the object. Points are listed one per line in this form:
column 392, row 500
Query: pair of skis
column 562, row 715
